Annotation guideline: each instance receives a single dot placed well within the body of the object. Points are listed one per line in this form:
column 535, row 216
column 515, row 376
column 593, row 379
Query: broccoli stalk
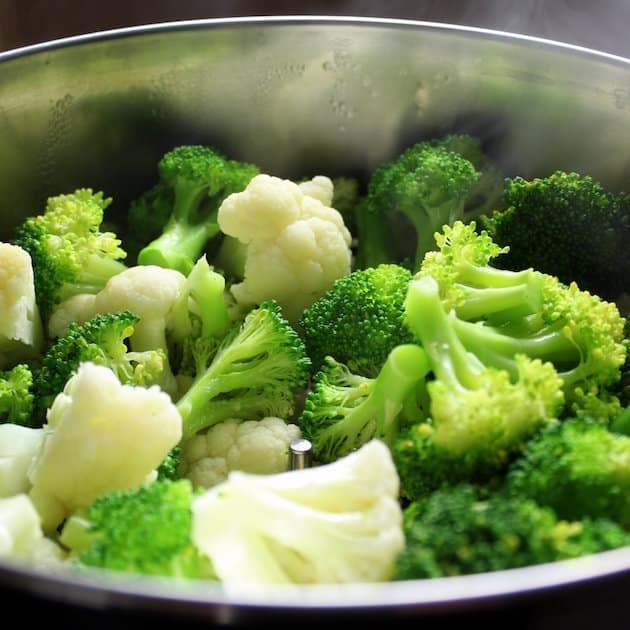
column 478, row 416
column 70, row 253
column 343, row 410
column 197, row 179
column 256, row 371
column 425, row 187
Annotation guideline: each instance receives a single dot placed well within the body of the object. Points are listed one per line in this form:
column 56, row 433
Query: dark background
column 603, row 25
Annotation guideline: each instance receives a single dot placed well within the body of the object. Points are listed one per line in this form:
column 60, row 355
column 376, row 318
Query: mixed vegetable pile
column 450, row 341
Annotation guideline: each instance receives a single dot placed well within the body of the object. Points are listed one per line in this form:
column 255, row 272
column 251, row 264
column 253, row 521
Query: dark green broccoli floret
column 566, row 225
column 16, row 395
column 479, row 416
column 579, row 468
column 359, row 320
column 343, row 410
column 256, row 371
column 145, row 531
column 101, row 340
column 69, row 251
column 169, row 468
column 422, row 189
column 197, row 179
column 464, row 529
column 501, row 314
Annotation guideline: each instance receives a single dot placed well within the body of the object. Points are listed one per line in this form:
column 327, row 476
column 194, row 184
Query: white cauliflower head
column 21, row 534
column 101, row 436
column 331, row 524
column 296, row 245
column 21, row 328
column 253, row 446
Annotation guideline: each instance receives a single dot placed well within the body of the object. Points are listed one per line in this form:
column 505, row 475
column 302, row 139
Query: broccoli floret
column 70, row 253
column 501, row 314
column 145, row 531
column 101, row 340
column 343, row 411
column 422, row 189
column 256, row 372
column 465, row 529
column 197, row 178
column 16, row 395
column 579, row 468
column 359, row 320
column 169, row 468
column 566, row 225
column 479, row 416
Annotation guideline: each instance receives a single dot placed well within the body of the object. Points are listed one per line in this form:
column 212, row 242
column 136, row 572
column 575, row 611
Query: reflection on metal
column 300, row 454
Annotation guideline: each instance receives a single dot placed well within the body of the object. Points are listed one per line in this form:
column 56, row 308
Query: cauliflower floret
column 21, row 535
column 320, row 187
column 253, row 446
column 335, row 523
column 101, row 436
column 78, row 308
column 18, row 447
column 296, row 245
column 21, row 328
column 148, row 291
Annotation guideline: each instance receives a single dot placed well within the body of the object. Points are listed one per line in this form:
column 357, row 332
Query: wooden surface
column 603, row 25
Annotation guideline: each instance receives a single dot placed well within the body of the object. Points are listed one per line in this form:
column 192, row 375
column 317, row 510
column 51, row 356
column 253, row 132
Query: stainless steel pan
column 303, row 95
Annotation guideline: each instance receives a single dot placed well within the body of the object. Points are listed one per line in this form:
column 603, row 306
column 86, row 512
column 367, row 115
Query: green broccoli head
column 465, row 529
column 70, row 253
column 16, row 395
column 195, row 179
column 500, row 314
column 566, row 225
column 256, row 371
column 479, row 416
column 101, row 340
column 145, row 531
column 359, row 320
column 579, row 468
column 343, row 411
column 423, row 188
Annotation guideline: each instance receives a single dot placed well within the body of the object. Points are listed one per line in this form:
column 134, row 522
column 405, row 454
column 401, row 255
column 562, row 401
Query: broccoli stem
column 403, row 371
column 180, row 244
column 434, row 327
column 96, row 270
column 498, row 349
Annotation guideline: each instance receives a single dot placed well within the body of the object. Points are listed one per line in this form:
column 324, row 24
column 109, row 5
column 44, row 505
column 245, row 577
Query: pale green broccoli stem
column 95, row 271
column 207, row 288
column 498, row 349
column 403, row 372
column 428, row 320
column 186, row 233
